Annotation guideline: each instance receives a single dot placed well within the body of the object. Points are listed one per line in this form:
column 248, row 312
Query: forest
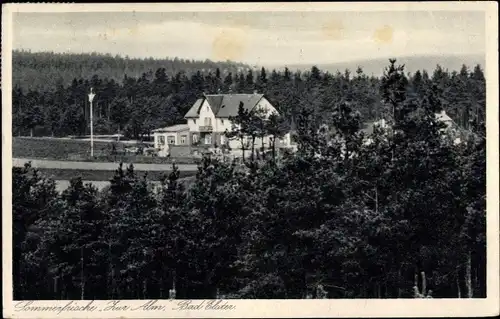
column 134, row 105
column 43, row 71
column 401, row 217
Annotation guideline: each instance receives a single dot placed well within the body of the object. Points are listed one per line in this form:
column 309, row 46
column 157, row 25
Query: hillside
column 412, row 64
column 43, row 71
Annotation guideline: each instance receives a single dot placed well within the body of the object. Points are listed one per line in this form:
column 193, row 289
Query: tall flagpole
column 91, row 98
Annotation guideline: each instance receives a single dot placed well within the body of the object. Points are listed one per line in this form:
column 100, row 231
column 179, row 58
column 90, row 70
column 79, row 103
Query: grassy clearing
column 78, row 150
column 55, row 149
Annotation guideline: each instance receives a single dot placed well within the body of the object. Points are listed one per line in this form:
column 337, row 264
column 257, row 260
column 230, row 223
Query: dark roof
column 443, row 117
column 215, row 102
column 194, row 111
column 174, row 128
column 225, row 105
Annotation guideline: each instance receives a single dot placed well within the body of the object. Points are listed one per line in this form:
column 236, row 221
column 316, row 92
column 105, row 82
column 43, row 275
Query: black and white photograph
column 201, row 155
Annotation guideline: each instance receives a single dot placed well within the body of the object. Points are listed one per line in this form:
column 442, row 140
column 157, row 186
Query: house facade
column 168, row 136
column 208, row 121
column 449, row 129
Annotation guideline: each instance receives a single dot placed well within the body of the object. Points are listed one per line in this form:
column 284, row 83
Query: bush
column 103, row 175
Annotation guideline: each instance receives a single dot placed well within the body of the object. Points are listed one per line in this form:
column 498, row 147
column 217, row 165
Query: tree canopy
column 403, row 216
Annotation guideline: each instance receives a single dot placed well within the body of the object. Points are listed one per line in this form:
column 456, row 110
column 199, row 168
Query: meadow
column 79, row 150
column 58, row 149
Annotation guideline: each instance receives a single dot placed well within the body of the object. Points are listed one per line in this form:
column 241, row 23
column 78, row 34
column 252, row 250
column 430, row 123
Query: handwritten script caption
column 119, row 305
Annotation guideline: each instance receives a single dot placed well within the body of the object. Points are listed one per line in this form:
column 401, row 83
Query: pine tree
column 241, row 83
column 240, row 128
column 275, row 127
column 393, row 90
column 249, row 83
column 228, row 83
column 33, row 199
column 261, row 85
column 32, row 117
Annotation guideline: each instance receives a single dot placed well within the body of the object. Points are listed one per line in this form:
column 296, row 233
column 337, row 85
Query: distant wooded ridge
column 44, row 71
column 412, row 64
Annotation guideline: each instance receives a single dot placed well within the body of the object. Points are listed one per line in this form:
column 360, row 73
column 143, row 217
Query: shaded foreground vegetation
column 338, row 219
column 102, row 175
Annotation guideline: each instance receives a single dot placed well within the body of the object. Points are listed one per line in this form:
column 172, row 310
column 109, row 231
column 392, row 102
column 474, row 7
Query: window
column 183, row 139
column 161, row 140
column 222, row 140
column 208, row 121
column 171, row 139
column 208, row 139
column 195, row 138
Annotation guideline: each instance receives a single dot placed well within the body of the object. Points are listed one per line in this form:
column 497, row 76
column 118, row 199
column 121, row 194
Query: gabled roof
column 215, row 102
column 225, row 105
column 174, row 128
column 369, row 127
column 231, row 102
column 443, row 117
column 194, row 111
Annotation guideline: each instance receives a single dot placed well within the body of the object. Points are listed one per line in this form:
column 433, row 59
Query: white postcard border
column 266, row 308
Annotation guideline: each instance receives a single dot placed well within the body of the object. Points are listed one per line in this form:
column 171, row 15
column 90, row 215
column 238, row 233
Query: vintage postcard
column 250, row 160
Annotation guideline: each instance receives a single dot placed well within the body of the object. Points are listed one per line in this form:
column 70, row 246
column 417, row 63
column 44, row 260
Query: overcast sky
column 262, row 38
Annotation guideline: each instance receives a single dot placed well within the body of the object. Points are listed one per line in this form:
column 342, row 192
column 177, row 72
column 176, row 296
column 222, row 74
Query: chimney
column 254, row 91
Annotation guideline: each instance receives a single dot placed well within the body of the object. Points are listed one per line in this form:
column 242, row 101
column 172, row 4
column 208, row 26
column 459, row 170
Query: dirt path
column 19, row 162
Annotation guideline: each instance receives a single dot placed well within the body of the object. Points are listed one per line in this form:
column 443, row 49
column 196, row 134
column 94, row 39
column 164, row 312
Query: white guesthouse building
column 208, row 120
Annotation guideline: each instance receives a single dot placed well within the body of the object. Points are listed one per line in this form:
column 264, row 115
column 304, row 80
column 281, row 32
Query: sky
column 259, row 38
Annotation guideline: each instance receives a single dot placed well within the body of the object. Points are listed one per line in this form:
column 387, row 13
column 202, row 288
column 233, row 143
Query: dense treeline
column 42, row 71
column 135, row 105
column 400, row 217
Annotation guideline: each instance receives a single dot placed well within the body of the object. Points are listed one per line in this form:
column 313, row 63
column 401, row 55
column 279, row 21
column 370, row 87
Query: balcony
column 206, row 128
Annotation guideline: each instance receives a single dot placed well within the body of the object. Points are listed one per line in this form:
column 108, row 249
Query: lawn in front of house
column 67, row 149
